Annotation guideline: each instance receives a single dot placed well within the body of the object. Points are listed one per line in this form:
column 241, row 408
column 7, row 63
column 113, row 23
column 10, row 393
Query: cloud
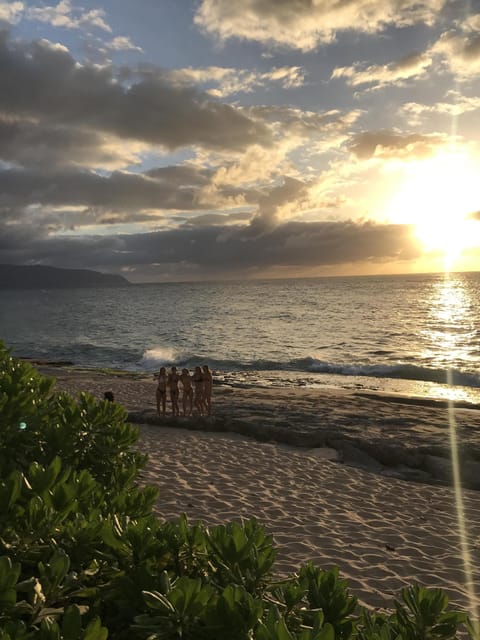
column 391, row 144
column 456, row 50
column 304, row 24
column 65, row 16
column 229, row 81
column 212, row 250
column 64, row 125
column 64, row 199
column 412, row 66
column 11, row 12
column 460, row 51
column 217, row 219
column 122, row 43
column 118, row 192
column 296, row 132
column 26, row 143
column 458, row 105
column 272, row 205
column 472, row 23
column 43, row 82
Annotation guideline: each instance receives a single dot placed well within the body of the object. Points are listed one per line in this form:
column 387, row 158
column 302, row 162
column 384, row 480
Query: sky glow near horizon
column 208, row 139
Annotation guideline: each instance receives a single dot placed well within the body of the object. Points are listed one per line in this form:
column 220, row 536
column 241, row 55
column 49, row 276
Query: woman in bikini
column 198, row 386
column 172, row 383
column 207, row 388
column 187, row 398
column 162, row 390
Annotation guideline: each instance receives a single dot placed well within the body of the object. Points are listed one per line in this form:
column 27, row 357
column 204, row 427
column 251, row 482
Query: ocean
column 413, row 334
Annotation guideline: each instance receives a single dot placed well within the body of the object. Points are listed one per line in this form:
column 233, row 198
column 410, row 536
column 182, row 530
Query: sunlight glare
column 451, row 305
column 438, row 197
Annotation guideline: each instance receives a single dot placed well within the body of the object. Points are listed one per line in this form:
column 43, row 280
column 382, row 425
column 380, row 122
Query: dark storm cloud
column 182, row 175
column 118, row 191
column 44, row 82
column 27, row 144
column 219, row 251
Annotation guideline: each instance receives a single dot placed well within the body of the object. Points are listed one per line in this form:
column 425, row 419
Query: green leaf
column 72, row 623
column 95, row 631
column 157, row 601
column 49, row 630
column 59, row 566
column 10, row 491
column 9, row 573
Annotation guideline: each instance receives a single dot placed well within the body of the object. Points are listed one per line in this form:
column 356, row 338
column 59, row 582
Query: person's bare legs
column 187, row 396
column 161, row 392
column 172, row 383
column 207, row 388
column 174, row 399
column 161, row 401
column 198, row 386
column 187, row 402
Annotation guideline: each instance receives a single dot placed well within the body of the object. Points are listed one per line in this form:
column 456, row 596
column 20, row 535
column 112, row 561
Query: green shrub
column 38, row 425
column 82, row 557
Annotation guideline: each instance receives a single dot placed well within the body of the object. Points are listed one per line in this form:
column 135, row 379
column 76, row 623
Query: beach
column 326, row 494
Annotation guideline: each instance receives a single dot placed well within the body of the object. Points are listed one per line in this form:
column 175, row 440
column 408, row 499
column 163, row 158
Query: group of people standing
column 196, row 390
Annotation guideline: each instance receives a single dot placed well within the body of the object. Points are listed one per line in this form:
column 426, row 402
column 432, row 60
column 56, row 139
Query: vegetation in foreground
column 82, row 557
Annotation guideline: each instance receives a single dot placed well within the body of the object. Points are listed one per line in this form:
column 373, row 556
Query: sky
column 178, row 140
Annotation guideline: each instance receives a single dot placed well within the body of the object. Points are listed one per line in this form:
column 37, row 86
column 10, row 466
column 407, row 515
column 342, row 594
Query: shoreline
column 396, row 436
column 383, row 532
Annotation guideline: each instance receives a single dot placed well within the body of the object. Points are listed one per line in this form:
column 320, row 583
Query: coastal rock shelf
column 405, row 452
column 400, row 437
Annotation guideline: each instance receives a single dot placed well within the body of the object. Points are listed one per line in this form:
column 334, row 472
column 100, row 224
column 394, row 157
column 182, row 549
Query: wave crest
column 398, row 371
column 153, row 358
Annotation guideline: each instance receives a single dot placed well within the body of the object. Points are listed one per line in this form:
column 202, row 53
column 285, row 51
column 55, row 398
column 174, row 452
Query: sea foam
column 153, row 358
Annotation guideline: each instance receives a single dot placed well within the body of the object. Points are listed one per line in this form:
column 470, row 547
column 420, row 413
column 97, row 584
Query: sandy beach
column 384, row 525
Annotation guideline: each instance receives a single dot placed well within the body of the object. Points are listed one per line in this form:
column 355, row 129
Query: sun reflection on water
column 452, row 335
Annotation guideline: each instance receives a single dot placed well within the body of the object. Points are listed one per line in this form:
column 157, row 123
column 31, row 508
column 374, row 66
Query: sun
column 438, row 197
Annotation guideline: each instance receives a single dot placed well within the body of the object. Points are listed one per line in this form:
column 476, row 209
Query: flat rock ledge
column 424, row 463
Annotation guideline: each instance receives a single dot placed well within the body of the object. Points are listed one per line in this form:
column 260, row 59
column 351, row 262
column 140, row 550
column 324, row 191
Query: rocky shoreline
column 399, row 444
column 396, row 436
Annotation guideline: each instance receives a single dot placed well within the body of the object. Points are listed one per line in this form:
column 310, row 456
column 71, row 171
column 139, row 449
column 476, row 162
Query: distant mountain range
column 40, row 277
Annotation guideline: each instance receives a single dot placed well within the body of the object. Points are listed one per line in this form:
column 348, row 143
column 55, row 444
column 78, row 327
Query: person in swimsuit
column 198, row 386
column 187, row 398
column 172, row 383
column 161, row 392
column 207, row 388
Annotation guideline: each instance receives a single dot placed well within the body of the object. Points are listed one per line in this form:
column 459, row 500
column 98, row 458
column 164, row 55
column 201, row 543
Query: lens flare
column 451, row 300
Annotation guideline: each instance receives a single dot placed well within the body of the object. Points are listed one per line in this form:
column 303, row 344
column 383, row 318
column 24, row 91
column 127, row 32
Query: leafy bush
column 38, row 425
column 82, row 557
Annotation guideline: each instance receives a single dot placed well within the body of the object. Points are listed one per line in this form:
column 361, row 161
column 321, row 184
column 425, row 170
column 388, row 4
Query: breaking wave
column 154, row 358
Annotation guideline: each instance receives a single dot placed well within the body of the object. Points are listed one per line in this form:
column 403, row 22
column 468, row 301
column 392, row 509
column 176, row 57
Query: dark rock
column 358, row 458
column 440, row 468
